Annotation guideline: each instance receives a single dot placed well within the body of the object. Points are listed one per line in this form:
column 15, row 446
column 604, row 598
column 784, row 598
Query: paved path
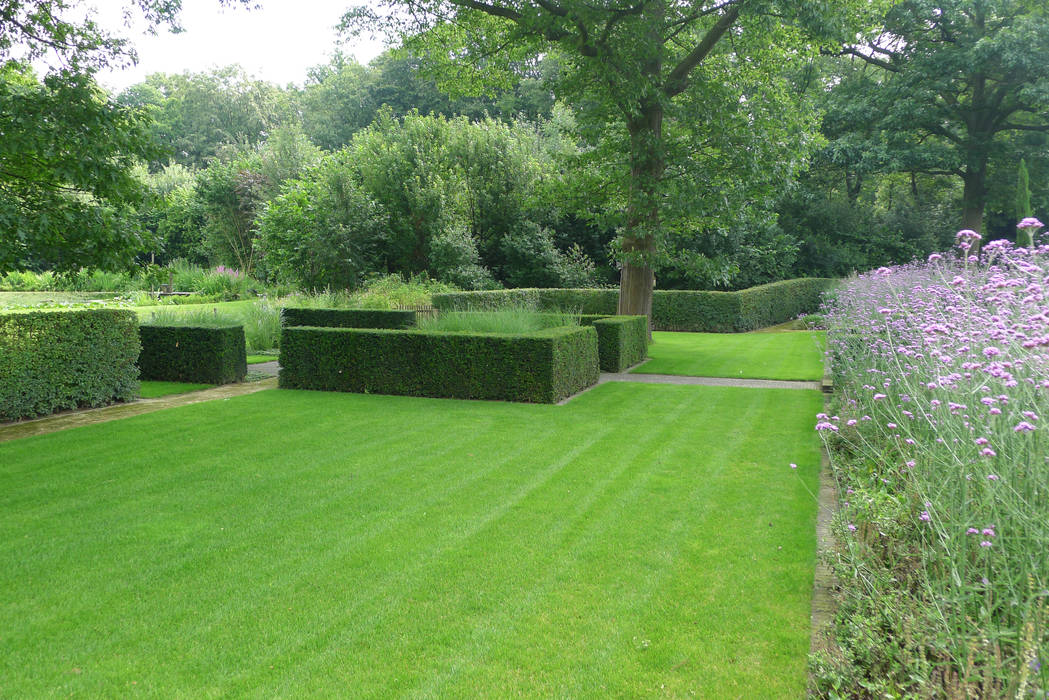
column 73, row 419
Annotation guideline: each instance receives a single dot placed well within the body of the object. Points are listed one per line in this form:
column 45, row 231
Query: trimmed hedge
column 205, row 355
column 57, row 360
column 347, row 318
column 672, row 310
column 622, row 341
column 541, row 367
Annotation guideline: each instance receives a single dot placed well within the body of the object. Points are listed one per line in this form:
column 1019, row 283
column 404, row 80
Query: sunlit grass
column 640, row 541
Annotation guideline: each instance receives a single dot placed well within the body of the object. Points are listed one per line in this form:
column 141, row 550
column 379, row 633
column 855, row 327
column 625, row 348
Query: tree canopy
column 957, row 78
column 642, row 76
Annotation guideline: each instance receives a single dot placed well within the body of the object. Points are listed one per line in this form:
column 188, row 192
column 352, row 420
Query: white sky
column 277, row 42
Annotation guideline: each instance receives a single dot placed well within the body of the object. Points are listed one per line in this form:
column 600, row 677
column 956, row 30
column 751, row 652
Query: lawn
column 639, row 541
column 787, row 355
column 261, row 359
column 152, row 390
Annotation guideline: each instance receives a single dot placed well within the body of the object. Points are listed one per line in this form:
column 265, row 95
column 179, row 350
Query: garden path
column 73, row 419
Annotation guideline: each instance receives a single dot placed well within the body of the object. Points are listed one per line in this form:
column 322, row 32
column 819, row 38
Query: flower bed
column 941, row 452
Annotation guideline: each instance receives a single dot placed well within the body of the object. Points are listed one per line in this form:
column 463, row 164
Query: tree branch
column 677, row 81
column 488, row 9
column 850, row 51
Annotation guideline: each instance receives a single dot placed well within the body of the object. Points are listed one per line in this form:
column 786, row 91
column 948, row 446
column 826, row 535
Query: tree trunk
column 647, row 165
column 974, row 195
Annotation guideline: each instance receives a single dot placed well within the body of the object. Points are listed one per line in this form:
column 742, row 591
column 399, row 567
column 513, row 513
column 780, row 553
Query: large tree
column 664, row 82
column 959, row 77
column 67, row 149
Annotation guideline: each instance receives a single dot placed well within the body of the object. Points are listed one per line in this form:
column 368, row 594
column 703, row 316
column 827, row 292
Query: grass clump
column 509, row 320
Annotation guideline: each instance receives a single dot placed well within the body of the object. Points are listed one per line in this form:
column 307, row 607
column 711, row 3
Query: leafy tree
column 960, row 76
column 322, row 231
column 67, row 149
column 200, row 116
column 667, row 89
column 173, row 216
column 66, row 182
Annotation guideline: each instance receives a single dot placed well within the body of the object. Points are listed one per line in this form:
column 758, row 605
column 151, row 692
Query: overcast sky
column 276, row 42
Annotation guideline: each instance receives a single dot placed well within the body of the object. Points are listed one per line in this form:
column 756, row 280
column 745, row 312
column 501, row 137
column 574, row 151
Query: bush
column 56, row 360
column 541, row 367
column 672, row 310
column 622, row 341
column 347, row 318
column 214, row 355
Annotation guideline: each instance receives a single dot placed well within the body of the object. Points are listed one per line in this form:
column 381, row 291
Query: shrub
column 541, row 367
column 208, row 355
column 347, row 318
column 56, row 360
column 622, row 341
column 672, row 310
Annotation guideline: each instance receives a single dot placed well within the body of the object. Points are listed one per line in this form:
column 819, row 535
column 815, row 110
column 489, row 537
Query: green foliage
column 207, row 355
column 202, row 116
column 56, row 360
column 958, row 80
column 322, row 230
column 678, row 310
column 465, row 200
column 622, row 341
column 541, row 367
column 346, row 318
column 67, row 188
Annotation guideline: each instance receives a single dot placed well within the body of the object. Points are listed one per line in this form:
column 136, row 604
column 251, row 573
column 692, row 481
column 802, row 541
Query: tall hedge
column 541, row 367
column 672, row 310
column 57, row 360
column 193, row 354
column 347, row 318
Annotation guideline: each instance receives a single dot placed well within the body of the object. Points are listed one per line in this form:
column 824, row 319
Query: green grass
column 794, row 355
column 152, row 390
column 259, row 359
column 640, row 541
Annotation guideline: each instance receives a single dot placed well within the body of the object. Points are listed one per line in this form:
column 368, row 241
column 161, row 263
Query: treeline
column 375, row 169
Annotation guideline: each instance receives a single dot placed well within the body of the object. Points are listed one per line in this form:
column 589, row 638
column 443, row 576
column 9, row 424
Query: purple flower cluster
column 229, row 271
column 941, row 375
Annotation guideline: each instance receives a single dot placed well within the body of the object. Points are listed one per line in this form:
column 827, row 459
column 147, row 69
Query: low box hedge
column 206, row 355
column 58, row 360
column 347, row 318
column 541, row 367
column 622, row 341
column 672, row 310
